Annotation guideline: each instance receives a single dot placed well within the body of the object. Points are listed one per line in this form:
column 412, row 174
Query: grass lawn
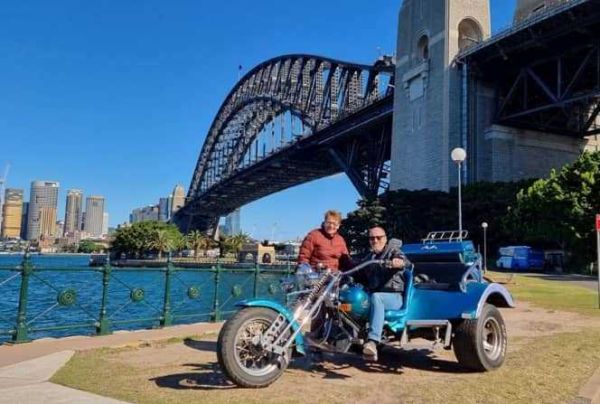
column 553, row 295
column 548, row 369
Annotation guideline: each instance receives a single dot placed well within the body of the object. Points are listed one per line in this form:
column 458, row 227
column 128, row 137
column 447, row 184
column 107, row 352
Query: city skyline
column 142, row 84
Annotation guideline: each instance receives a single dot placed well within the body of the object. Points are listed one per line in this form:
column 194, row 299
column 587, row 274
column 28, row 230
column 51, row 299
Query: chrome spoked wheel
column 249, row 354
column 492, row 338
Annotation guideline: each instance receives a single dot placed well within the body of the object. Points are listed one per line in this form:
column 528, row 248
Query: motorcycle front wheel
column 242, row 358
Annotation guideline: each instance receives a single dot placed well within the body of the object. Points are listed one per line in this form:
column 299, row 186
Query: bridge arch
column 317, row 91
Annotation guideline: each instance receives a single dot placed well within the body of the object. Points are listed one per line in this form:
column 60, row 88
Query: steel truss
column 318, row 91
column 560, row 94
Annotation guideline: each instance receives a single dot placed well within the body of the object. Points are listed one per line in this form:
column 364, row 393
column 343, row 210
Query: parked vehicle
column 520, row 258
column 446, row 301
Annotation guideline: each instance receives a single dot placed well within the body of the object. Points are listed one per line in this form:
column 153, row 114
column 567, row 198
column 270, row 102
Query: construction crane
column 2, row 184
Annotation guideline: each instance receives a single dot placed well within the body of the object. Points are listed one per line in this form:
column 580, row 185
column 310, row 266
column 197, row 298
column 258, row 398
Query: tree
column 197, row 241
column 410, row 215
column 234, row 244
column 561, row 208
column 354, row 228
column 161, row 242
column 88, row 247
column 137, row 239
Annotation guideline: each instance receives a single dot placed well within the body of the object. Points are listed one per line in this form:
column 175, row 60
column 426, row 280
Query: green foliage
column 143, row 237
column 233, row 244
column 410, row 215
column 561, row 209
column 88, row 247
column 199, row 241
column 355, row 227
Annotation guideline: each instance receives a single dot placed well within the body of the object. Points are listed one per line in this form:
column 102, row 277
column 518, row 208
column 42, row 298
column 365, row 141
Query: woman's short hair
column 333, row 214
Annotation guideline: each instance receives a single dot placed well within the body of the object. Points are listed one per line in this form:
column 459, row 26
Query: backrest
column 441, row 272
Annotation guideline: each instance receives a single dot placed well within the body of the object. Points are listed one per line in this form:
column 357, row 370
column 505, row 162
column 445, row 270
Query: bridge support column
column 364, row 161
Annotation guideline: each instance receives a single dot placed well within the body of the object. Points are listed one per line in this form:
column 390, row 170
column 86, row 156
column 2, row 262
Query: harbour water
column 135, row 295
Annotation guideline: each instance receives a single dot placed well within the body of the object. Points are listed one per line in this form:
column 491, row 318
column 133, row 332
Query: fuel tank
column 355, row 301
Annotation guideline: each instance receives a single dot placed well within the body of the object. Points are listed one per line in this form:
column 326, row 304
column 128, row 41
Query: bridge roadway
column 321, row 154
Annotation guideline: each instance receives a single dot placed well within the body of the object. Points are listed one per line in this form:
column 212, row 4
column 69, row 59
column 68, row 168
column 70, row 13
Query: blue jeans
column 380, row 302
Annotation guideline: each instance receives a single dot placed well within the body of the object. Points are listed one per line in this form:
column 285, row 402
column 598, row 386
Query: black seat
column 448, row 274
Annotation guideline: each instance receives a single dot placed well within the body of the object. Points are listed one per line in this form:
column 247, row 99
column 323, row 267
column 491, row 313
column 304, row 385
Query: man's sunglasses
column 373, row 238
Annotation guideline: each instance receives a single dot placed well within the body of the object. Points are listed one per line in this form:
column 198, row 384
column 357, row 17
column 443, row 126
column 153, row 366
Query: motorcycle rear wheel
column 242, row 359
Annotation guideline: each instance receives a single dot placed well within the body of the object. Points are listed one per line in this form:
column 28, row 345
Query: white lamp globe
column 458, row 155
column 484, row 225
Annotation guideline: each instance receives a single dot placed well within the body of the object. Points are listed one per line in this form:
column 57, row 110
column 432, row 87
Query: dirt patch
column 192, row 365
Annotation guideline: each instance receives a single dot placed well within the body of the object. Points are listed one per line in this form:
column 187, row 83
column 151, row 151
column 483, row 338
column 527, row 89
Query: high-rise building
column 24, row 220
column 73, row 214
column 145, row 214
column 12, row 210
column 232, row 223
column 177, row 198
column 41, row 215
column 164, row 213
column 105, row 223
column 94, row 215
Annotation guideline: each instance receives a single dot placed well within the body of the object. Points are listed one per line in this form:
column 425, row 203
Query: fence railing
column 43, row 301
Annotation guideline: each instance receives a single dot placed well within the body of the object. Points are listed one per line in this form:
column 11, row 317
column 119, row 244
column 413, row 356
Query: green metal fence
column 48, row 301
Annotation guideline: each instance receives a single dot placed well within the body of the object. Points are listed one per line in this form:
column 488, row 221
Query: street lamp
column 484, row 226
column 459, row 155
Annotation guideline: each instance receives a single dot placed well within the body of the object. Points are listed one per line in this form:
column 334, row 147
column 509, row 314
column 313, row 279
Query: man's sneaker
column 370, row 350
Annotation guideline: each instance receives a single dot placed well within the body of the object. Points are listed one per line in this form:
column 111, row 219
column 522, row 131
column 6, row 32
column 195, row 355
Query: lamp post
column 459, row 155
column 484, row 226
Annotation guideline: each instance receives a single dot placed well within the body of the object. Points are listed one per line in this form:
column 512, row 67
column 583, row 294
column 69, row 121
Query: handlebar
column 364, row 264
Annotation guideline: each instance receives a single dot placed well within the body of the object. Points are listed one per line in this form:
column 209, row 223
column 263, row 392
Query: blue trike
column 446, row 301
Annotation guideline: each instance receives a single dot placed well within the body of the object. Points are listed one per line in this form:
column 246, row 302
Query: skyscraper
column 94, row 215
column 105, row 223
column 41, row 216
column 24, row 217
column 12, row 210
column 232, row 223
column 177, row 198
column 73, row 211
column 164, row 212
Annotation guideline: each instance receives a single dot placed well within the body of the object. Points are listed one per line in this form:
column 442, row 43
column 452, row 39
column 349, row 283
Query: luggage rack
column 445, row 235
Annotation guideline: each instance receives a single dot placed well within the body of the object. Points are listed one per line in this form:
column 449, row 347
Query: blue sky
column 115, row 97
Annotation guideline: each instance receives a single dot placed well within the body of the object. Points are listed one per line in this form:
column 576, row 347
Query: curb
column 590, row 392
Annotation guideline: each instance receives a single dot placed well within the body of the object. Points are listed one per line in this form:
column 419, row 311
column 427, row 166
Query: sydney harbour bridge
column 297, row 118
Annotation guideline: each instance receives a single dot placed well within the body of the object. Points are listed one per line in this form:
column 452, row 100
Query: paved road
column 588, row 282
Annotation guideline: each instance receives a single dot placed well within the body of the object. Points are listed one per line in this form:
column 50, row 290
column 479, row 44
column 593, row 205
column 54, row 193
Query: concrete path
column 27, row 382
column 26, row 368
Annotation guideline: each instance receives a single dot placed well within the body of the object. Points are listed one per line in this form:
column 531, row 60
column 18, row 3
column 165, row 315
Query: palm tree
column 161, row 241
column 236, row 242
column 197, row 241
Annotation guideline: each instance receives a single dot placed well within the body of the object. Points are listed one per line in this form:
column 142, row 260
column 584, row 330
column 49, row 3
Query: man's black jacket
column 378, row 278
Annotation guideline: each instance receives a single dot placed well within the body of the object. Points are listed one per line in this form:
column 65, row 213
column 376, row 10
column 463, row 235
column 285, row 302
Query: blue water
column 55, row 274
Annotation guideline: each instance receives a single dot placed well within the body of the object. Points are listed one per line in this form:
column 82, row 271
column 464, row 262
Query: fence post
column 256, row 272
column 103, row 327
column 216, row 314
column 20, row 334
column 167, row 317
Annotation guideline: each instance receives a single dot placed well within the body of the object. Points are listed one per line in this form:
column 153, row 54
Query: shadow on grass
column 205, row 376
column 209, row 376
column 201, row 345
column 391, row 361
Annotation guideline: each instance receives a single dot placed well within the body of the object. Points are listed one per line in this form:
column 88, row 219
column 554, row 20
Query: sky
column 115, row 97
